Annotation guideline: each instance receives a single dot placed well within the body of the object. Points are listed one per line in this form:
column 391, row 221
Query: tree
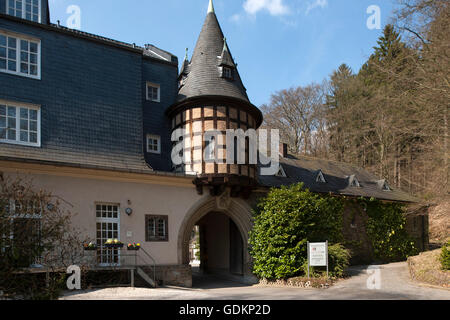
column 35, row 231
column 298, row 114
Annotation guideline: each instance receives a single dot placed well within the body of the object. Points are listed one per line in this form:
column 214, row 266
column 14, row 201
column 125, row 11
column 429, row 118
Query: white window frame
column 28, row 106
column 18, row 54
column 152, row 85
column 24, row 11
column 156, row 137
column 108, row 220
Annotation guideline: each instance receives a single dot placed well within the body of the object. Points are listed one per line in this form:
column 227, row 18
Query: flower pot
column 114, row 245
column 133, row 248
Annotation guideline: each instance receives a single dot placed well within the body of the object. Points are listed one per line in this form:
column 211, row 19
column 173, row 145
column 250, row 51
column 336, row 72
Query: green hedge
column 386, row 230
column 284, row 221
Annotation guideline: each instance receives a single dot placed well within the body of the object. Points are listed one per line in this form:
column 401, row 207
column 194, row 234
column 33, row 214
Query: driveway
column 389, row 282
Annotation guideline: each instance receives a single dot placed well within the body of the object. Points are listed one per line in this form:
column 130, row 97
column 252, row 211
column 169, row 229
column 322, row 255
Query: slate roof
column 204, row 77
column 149, row 50
column 337, row 176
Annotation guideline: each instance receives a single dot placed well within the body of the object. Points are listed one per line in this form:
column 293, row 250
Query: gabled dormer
column 226, row 63
column 353, row 182
column 281, row 172
column 184, row 70
column 383, row 185
column 319, row 177
column 32, row 10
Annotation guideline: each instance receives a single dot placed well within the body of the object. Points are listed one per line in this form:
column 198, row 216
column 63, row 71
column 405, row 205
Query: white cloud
column 236, row 17
column 274, row 7
column 316, row 4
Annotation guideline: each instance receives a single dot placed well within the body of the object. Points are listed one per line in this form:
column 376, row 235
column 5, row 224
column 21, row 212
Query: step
column 145, row 277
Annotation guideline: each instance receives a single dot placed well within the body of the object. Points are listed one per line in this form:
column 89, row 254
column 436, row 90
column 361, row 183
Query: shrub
column 445, row 256
column 338, row 260
column 284, row 221
column 386, row 230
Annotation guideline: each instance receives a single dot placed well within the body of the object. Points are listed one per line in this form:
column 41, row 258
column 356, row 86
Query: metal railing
column 121, row 259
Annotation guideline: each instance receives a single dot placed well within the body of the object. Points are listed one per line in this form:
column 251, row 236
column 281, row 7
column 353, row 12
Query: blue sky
column 277, row 44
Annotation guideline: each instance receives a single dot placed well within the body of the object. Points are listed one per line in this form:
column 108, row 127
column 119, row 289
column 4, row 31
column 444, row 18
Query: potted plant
column 90, row 246
column 134, row 246
column 113, row 243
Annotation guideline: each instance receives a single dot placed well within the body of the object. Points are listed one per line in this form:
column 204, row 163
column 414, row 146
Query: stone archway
column 236, row 209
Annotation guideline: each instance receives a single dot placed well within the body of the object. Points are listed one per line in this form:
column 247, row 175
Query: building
column 90, row 119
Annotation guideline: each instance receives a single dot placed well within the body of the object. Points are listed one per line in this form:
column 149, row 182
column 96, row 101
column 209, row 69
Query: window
column 320, row 178
column 281, row 172
column 20, row 124
column 19, row 55
column 107, row 227
column 26, row 9
column 21, row 232
column 383, row 185
column 153, row 92
column 353, row 182
column 153, row 144
column 227, row 73
column 156, row 228
column 210, row 149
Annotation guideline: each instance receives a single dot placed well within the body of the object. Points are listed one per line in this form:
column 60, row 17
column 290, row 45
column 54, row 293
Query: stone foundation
column 174, row 275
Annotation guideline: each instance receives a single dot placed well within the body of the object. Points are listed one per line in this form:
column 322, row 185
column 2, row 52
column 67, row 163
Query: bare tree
column 299, row 115
column 35, row 234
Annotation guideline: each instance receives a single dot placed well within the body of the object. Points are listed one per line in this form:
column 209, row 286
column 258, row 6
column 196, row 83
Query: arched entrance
column 224, row 224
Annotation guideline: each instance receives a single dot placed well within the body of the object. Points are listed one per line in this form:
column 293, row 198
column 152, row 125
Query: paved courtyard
column 395, row 284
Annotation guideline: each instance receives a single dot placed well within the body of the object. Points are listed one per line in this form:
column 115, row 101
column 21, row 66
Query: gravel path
column 393, row 283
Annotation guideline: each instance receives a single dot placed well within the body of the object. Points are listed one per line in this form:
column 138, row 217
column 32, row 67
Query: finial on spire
column 225, row 45
column 211, row 7
column 186, row 56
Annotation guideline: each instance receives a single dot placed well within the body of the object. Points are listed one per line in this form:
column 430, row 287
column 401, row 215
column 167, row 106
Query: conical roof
column 204, row 77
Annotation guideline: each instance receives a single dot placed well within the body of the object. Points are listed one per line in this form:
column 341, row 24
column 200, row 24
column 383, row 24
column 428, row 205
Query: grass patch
column 427, row 268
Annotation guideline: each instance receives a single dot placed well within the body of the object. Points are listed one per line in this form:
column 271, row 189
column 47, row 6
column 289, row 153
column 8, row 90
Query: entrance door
column 108, row 222
column 236, row 250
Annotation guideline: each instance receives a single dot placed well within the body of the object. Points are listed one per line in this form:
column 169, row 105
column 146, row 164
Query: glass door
column 108, row 222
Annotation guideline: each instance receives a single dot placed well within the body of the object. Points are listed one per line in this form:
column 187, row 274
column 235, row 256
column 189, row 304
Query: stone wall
column 175, row 275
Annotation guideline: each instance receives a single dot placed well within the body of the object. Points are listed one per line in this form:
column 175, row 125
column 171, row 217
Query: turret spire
column 211, row 7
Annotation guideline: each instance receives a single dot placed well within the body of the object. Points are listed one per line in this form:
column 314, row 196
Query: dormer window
column 227, row 73
column 25, row 9
column 320, row 178
column 281, row 172
column 353, row 182
column 383, row 185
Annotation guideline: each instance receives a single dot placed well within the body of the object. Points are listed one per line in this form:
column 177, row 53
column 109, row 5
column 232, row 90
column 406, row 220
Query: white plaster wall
column 84, row 193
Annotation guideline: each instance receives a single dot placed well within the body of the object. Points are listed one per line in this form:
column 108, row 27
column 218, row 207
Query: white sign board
column 318, row 253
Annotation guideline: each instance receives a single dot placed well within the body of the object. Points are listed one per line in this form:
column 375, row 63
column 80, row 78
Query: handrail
column 134, row 264
column 154, row 264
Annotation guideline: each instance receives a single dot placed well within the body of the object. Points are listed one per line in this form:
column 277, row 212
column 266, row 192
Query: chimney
column 283, row 150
